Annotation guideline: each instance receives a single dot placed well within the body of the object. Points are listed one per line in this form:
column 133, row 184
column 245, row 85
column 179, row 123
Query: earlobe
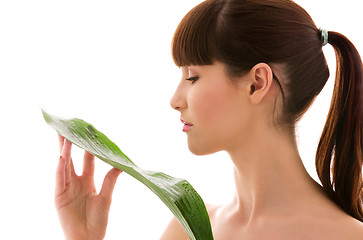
column 262, row 78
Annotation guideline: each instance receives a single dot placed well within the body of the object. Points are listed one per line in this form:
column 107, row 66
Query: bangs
column 194, row 41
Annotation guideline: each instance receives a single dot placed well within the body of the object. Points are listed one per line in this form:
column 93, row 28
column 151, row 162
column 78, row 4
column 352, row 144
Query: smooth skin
column 275, row 196
column 82, row 212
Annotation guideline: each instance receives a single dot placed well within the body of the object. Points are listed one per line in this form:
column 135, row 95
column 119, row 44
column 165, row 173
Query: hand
column 82, row 212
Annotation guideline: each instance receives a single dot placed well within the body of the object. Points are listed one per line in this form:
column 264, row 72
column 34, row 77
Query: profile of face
column 217, row 113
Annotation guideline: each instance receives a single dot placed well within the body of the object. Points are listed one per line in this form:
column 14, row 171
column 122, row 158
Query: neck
column 269, row 176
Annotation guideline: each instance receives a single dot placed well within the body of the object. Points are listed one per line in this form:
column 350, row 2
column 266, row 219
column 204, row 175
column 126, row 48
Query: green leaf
column 177, row 194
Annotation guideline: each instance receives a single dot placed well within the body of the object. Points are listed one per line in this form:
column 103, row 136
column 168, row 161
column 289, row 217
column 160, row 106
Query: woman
column 250, row 69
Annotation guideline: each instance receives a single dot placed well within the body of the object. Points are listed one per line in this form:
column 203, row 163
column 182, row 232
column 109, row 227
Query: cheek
column 216, row 106
column 219, row 115
column 206, row 107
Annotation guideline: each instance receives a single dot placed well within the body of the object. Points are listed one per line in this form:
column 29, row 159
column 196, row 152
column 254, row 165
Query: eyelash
column 192, row 79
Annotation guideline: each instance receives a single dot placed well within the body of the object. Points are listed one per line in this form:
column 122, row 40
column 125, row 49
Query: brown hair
column 242, row 33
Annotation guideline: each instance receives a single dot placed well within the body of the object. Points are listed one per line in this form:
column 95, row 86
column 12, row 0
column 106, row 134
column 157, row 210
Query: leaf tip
column 47, row 117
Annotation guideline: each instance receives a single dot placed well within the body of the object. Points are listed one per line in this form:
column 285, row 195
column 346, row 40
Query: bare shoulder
column 352, row 228
column 342, row 227
column 175, row 231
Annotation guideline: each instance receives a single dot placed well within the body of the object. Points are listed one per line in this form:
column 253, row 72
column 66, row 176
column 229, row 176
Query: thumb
column 109, row 184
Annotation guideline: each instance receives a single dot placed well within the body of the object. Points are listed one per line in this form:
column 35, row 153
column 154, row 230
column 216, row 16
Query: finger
column 66, row 154
column 109, row 184
column 67, row 149
column 72, row 167
column 88, row 164
column 60, row 184
column 61, row 142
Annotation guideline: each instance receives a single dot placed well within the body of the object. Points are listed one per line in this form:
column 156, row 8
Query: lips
column 187, row 126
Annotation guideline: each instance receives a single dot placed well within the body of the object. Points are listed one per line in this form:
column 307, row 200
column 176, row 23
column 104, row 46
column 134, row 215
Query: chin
column 200, row 150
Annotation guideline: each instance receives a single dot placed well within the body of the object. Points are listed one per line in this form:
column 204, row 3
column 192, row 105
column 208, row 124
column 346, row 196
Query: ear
column 261, row 81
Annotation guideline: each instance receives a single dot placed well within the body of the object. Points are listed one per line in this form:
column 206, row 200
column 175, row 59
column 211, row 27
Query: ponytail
column 339, row 155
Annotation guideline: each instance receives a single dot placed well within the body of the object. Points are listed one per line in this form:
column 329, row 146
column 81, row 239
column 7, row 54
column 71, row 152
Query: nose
column 178, row 101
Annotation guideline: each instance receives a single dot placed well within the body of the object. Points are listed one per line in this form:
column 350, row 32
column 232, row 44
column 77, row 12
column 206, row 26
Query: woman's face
column 214, row 110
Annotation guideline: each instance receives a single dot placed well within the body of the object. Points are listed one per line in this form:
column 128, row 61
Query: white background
column 109, row 63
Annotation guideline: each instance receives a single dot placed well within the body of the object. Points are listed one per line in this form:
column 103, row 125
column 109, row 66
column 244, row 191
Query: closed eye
column 192, row 79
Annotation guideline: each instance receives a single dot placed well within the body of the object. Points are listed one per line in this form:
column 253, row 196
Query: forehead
column 215, row 67
column 189, row 68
